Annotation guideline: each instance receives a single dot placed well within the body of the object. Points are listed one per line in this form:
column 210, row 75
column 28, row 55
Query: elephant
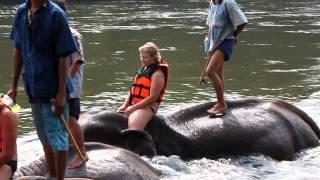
column 273, row 128
column 105, row 162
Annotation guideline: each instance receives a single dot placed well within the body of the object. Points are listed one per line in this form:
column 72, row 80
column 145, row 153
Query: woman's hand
column 121, row 109
column 129, row 110
column 205, row 34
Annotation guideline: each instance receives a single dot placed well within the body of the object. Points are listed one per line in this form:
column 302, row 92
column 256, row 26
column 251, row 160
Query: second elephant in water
column 106, row 162
column 273, row 128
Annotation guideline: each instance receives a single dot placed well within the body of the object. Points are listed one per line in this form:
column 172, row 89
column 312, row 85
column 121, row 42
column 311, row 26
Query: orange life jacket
column 140, row 88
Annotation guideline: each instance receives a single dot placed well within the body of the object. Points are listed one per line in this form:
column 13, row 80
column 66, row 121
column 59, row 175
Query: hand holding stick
column 202, row 80
column 73, row 141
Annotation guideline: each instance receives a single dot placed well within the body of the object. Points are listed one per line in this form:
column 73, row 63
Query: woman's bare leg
column 5, row 172
column 77, row 133
column 140, row 118
column 221, row 75
column 215, row 74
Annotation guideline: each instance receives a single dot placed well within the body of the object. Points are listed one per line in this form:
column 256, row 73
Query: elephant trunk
column 38, row 167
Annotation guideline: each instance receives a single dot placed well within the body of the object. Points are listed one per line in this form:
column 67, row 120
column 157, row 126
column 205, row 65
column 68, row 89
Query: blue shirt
column 223, row 19
column 42, row 39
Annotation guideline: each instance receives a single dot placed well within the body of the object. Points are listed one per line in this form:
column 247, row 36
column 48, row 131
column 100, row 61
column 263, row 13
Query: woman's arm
column 125, row 104
column 75, row 67
column 239, row 29
column 237, row 17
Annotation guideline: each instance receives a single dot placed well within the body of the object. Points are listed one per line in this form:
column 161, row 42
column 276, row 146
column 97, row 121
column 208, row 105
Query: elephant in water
column 106, row 162
column 273, row 128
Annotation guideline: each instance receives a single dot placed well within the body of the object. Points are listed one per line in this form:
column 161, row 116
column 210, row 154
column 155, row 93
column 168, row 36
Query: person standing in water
column 75, row 65
column 148, row 88
column 225, row 21
column 42, row 43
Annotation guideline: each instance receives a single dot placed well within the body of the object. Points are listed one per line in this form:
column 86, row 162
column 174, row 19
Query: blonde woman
column 148, row 88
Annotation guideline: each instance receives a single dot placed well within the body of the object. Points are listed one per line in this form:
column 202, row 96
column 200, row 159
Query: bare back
column 8, row 133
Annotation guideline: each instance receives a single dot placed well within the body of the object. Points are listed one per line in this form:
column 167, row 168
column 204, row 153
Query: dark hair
column 62, row 4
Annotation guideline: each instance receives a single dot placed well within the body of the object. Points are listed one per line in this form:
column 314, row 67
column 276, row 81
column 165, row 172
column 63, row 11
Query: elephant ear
column 139, row 142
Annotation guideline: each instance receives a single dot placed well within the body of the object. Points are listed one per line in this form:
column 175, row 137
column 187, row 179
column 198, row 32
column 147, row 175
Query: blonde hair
column 151, row 49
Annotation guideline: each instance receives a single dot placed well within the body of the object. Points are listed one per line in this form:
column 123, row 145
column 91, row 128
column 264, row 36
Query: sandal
column 216, row 114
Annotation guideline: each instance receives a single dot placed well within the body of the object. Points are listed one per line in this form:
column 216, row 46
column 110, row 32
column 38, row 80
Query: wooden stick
column 61, row 118
column 202, row 80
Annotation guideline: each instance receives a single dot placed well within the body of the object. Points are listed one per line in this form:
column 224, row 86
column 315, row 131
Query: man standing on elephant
column 42, row 43
column 225, row 21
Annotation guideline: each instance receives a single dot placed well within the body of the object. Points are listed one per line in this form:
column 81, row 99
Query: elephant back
column 248, row 126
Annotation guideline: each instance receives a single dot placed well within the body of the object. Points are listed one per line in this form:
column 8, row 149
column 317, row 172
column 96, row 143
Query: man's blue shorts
column 49, row 128
column 227, row 48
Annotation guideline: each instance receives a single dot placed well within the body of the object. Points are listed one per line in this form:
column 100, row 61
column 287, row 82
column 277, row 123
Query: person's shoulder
column 230, row 2
column 56, row 10
column 158, row 73
column 9, row 116
column 53, row 6
column 22, row 7
column 231, row 5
